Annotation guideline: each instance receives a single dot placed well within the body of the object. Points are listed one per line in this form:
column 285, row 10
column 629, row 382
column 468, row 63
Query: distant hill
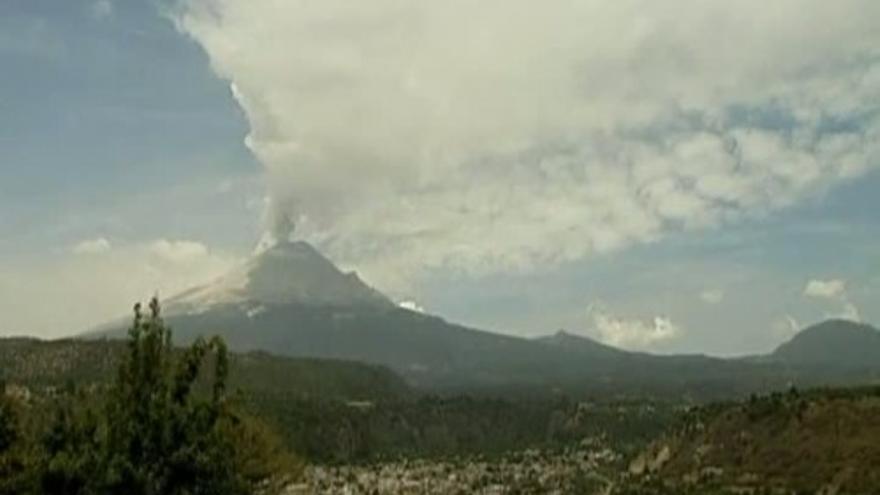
column 39, row 364
column 822, row 441
column 838, row 343
column 567, row 342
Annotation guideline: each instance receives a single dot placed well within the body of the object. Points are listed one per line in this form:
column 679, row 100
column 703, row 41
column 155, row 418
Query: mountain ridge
column 291, row 300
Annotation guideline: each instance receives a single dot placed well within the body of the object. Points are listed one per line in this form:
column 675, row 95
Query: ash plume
column 513, row 134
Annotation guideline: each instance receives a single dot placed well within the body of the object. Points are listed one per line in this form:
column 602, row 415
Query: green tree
column 165, row 427
column 16, row 460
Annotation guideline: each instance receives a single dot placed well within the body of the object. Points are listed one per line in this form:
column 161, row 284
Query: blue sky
column 98, row 109
column 446, row 175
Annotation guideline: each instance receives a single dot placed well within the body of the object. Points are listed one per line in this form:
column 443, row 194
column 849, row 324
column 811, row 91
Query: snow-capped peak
column 280, row 273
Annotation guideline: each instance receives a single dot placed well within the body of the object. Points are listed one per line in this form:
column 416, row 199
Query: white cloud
column 178, row 251
column 412, row 306
column 712, row 296
column 833, row 290
column 99, row 245
column 826, row 289
column 631, row 333
column 512, row 134
column 102, row 9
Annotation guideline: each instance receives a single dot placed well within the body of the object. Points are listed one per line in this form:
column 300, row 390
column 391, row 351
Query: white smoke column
column 507, row 134
column 278, row 223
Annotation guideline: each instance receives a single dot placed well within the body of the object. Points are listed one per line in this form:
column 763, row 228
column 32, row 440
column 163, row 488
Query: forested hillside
column 819, row 441
column 38, row 364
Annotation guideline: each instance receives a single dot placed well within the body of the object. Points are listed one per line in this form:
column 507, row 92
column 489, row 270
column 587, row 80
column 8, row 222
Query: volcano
column 289, row 299
column 284, row 273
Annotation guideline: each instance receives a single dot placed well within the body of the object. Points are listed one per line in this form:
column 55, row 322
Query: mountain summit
column 283, row 273
column 834, row 342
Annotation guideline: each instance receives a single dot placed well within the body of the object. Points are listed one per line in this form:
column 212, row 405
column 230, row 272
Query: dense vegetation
column 820, row 441
column 336, row 411
column 109, row 417
column 448, row 427
column 164, row 425
column 44, row 366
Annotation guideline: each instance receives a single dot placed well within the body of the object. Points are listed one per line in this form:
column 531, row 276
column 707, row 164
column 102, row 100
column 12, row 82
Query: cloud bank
column 504, row 135
column 97, row 281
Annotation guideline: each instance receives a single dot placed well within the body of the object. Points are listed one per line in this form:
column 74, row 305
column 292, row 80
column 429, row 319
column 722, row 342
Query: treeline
column 335, row 431
column 43, row 366
column 146, row 432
